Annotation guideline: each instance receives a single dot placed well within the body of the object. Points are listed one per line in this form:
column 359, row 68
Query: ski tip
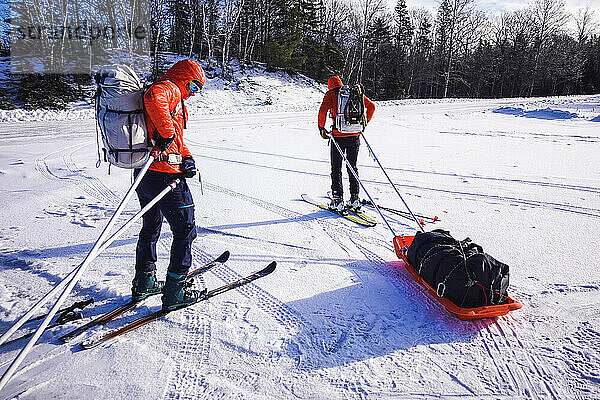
column 269, row 268
column 223, row 257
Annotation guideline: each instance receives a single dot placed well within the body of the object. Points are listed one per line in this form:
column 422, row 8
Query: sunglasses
column 194, row 87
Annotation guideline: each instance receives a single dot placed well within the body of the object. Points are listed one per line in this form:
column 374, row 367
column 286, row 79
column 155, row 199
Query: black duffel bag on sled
column 459, row 270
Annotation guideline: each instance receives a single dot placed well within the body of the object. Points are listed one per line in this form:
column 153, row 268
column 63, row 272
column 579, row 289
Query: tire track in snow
column 47, row 166
column 334, row 230
column 187, row 375
column 550, row 184
column 186, row 379
column 512, row 201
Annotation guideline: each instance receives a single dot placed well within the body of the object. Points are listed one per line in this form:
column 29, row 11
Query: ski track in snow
column 196, row 333
column 196, row 338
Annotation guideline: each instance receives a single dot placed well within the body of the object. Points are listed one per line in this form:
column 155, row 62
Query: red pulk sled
column 401, row 244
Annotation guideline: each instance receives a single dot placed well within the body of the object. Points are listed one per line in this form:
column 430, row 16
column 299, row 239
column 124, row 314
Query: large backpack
column 350, row 116
column 120, row 116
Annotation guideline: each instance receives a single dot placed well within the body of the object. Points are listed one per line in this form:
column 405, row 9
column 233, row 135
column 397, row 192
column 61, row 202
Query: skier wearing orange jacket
column 348, row 142
column 166, row 118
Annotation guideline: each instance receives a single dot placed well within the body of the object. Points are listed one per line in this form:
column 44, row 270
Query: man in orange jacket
column 348, row 142
column 166, row 118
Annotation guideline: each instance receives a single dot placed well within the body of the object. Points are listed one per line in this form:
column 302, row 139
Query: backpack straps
column 174, row 113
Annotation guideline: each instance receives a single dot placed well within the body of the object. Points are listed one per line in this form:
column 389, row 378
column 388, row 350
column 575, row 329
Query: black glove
column 161, row 142
column 324, row 133
column 188, row 167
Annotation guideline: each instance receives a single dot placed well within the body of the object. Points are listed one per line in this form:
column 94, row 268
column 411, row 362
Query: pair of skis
column 103, row 319
column 364, row 219
column 355, row 216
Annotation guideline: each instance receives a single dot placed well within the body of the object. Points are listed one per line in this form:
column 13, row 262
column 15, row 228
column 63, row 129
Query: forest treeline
column 456, row 51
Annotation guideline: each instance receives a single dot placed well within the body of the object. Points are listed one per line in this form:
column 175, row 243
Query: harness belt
column 171, row 158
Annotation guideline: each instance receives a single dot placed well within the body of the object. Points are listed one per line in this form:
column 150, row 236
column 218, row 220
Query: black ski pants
column 349, row 146
column 178, row 209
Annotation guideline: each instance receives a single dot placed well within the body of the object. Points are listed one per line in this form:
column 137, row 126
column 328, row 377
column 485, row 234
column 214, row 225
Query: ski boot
column 177, row 292
column 337, row 205
column 355, row 203
column 145, row 285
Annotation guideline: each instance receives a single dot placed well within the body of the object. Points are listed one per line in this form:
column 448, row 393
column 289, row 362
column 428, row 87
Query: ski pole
column 351, row 169
column 392, row 183
column 91, row 255
column 107, row 243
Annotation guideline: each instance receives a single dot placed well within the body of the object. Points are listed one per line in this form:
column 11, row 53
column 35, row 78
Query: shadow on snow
column 374, row 316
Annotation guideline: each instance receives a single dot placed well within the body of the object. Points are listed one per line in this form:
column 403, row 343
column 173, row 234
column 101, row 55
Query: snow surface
column 339, row 318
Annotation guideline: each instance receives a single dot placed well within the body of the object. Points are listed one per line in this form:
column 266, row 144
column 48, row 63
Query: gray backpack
column 350, row 116
column 120, row 116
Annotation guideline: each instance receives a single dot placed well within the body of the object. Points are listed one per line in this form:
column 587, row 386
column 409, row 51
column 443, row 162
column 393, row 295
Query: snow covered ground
column 339, row 318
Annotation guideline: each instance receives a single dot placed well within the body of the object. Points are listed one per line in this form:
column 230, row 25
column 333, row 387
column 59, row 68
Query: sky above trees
column 498, row 6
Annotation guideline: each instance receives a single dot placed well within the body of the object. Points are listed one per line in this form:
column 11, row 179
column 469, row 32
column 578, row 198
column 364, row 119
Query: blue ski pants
column 177, row 207
column 349, row 146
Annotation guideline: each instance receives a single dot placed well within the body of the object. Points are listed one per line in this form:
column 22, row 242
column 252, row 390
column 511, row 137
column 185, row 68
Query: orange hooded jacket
column 164, row 110
column 330, row 103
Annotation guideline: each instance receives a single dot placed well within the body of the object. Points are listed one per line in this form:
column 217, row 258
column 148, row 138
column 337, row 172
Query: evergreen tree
column 591, row 68
column 380, row 79
column 179, row 39
column 402, row 43
column 421, row 65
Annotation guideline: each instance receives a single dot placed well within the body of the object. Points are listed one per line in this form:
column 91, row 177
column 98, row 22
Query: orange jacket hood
column 182, row 72
column 334, row 82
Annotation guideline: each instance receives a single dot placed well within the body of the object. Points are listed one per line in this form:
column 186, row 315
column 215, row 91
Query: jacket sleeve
column 184, row 151
column 325, row 107
column 156, row 101
column 370, row 108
